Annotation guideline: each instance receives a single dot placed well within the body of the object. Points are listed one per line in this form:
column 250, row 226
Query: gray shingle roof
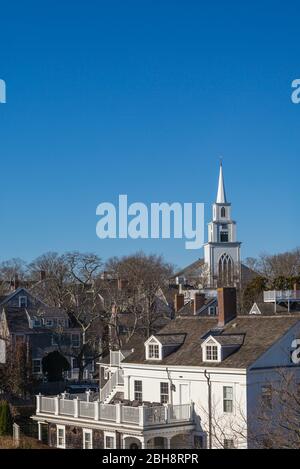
column 260, row 333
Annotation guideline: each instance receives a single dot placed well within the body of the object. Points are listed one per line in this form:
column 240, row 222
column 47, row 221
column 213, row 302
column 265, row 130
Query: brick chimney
column 199, row 301
column 122, row 283
column 179, row 301
column 42, row 275
column 226, row 305
column 16, row 282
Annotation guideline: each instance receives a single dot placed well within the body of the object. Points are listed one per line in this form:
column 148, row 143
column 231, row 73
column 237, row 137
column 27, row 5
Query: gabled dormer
column 215, row 348
column 161, row 345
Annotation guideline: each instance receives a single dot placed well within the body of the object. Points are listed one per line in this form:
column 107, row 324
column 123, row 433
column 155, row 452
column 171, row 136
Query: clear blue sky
column 141, row 98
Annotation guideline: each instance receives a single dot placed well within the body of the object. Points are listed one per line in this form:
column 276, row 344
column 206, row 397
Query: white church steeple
column 222, row 252
column 221, row 196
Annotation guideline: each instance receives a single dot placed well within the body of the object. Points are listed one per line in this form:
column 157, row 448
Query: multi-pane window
column 153, row 351
column 228, row 399
column 49, row 322
column 228, row 444
column 37, row 365
column 36, row 322
column 224, row 236
column 61, row 437
column 87, row 439
column 138, row 391
column 109, row 442
column 164, row 393
column 211, row 353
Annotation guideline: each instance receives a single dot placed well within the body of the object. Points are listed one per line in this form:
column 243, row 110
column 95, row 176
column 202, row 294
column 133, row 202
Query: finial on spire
column 221, row 196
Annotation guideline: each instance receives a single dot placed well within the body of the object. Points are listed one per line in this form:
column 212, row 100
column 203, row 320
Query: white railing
column 141, row 416
column 108, row 412
column 116, row 379
column 116, row 358
column 86, row 409
column 48, row 405
column 277, row 295
column 131, row 415
column 180, row 412
column 66, row 407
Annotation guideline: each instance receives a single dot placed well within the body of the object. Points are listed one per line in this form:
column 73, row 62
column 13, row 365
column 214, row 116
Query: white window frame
column 212, row 347
column 153, row 352
column 110, row 435
column 61, row 427
column 226, row 399
column 87, row 431
column 22, row 298
column 47, row 321
column 211, row 342
column 212, row 311
column 153, row 341
column 37, row 360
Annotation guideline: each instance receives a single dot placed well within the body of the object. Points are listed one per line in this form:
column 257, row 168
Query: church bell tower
column 222, row 251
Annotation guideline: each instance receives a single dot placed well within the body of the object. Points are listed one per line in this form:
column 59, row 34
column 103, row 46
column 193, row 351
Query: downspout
column 171, row 386
column 207, row 376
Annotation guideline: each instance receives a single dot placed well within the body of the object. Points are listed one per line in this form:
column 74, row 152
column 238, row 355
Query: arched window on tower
column 226, row 271
column 223, row 212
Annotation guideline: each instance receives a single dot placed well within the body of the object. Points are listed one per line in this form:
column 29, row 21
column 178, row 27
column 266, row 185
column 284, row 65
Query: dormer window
column 211, row 350
column 22, row 301
column 212, row 353
column 153, row 351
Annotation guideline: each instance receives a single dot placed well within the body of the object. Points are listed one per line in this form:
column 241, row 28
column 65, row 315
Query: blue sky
column 141, row 98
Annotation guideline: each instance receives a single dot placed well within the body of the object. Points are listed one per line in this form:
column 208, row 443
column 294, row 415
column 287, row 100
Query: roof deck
column 274, row 296
column 143, row 416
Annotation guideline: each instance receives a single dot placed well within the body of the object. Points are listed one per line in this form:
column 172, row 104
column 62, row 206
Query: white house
column 199, row 382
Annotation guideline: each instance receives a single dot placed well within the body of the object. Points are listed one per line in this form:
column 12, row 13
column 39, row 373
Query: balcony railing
column 281, row 295
column 141, row 417
column 116, row 379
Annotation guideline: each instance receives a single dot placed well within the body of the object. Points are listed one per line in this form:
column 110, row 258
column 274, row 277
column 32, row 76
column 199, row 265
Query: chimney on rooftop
column 199, row 301
column 227, row 307
column 297, row 286
column 179, row 301
column 16, row 282
column 122, row 283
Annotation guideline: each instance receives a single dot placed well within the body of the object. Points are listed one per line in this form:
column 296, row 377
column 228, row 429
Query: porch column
column 38, row 403
column 168, row 438
column 40, row 431
column 143, row 443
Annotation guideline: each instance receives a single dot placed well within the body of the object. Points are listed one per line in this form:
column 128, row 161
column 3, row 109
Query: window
column 138, row 391
column 228, row 444
column 228, row 399
column 212, row 353
column 36, row 322
column 61, row 322
column 54, row 339
column 212, row 311
column 109, row 440
column 22, row 301
column 87, row 439
column 226, row 270
column 37, row 365
column 61, row 436
column 164, row 393
column 48, row 322
column 75, row 363
column 224, row 236
column 198, row 442
column 75, row 340
column 153, row 351
column 223, row 212
column 266, row 394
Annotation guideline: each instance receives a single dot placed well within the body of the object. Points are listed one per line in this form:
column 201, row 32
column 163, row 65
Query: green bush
column 5, row 419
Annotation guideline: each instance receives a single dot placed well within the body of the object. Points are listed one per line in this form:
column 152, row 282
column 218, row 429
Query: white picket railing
column 141, row 416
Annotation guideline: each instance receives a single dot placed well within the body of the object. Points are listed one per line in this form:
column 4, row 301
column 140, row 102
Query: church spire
column 221, row 196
